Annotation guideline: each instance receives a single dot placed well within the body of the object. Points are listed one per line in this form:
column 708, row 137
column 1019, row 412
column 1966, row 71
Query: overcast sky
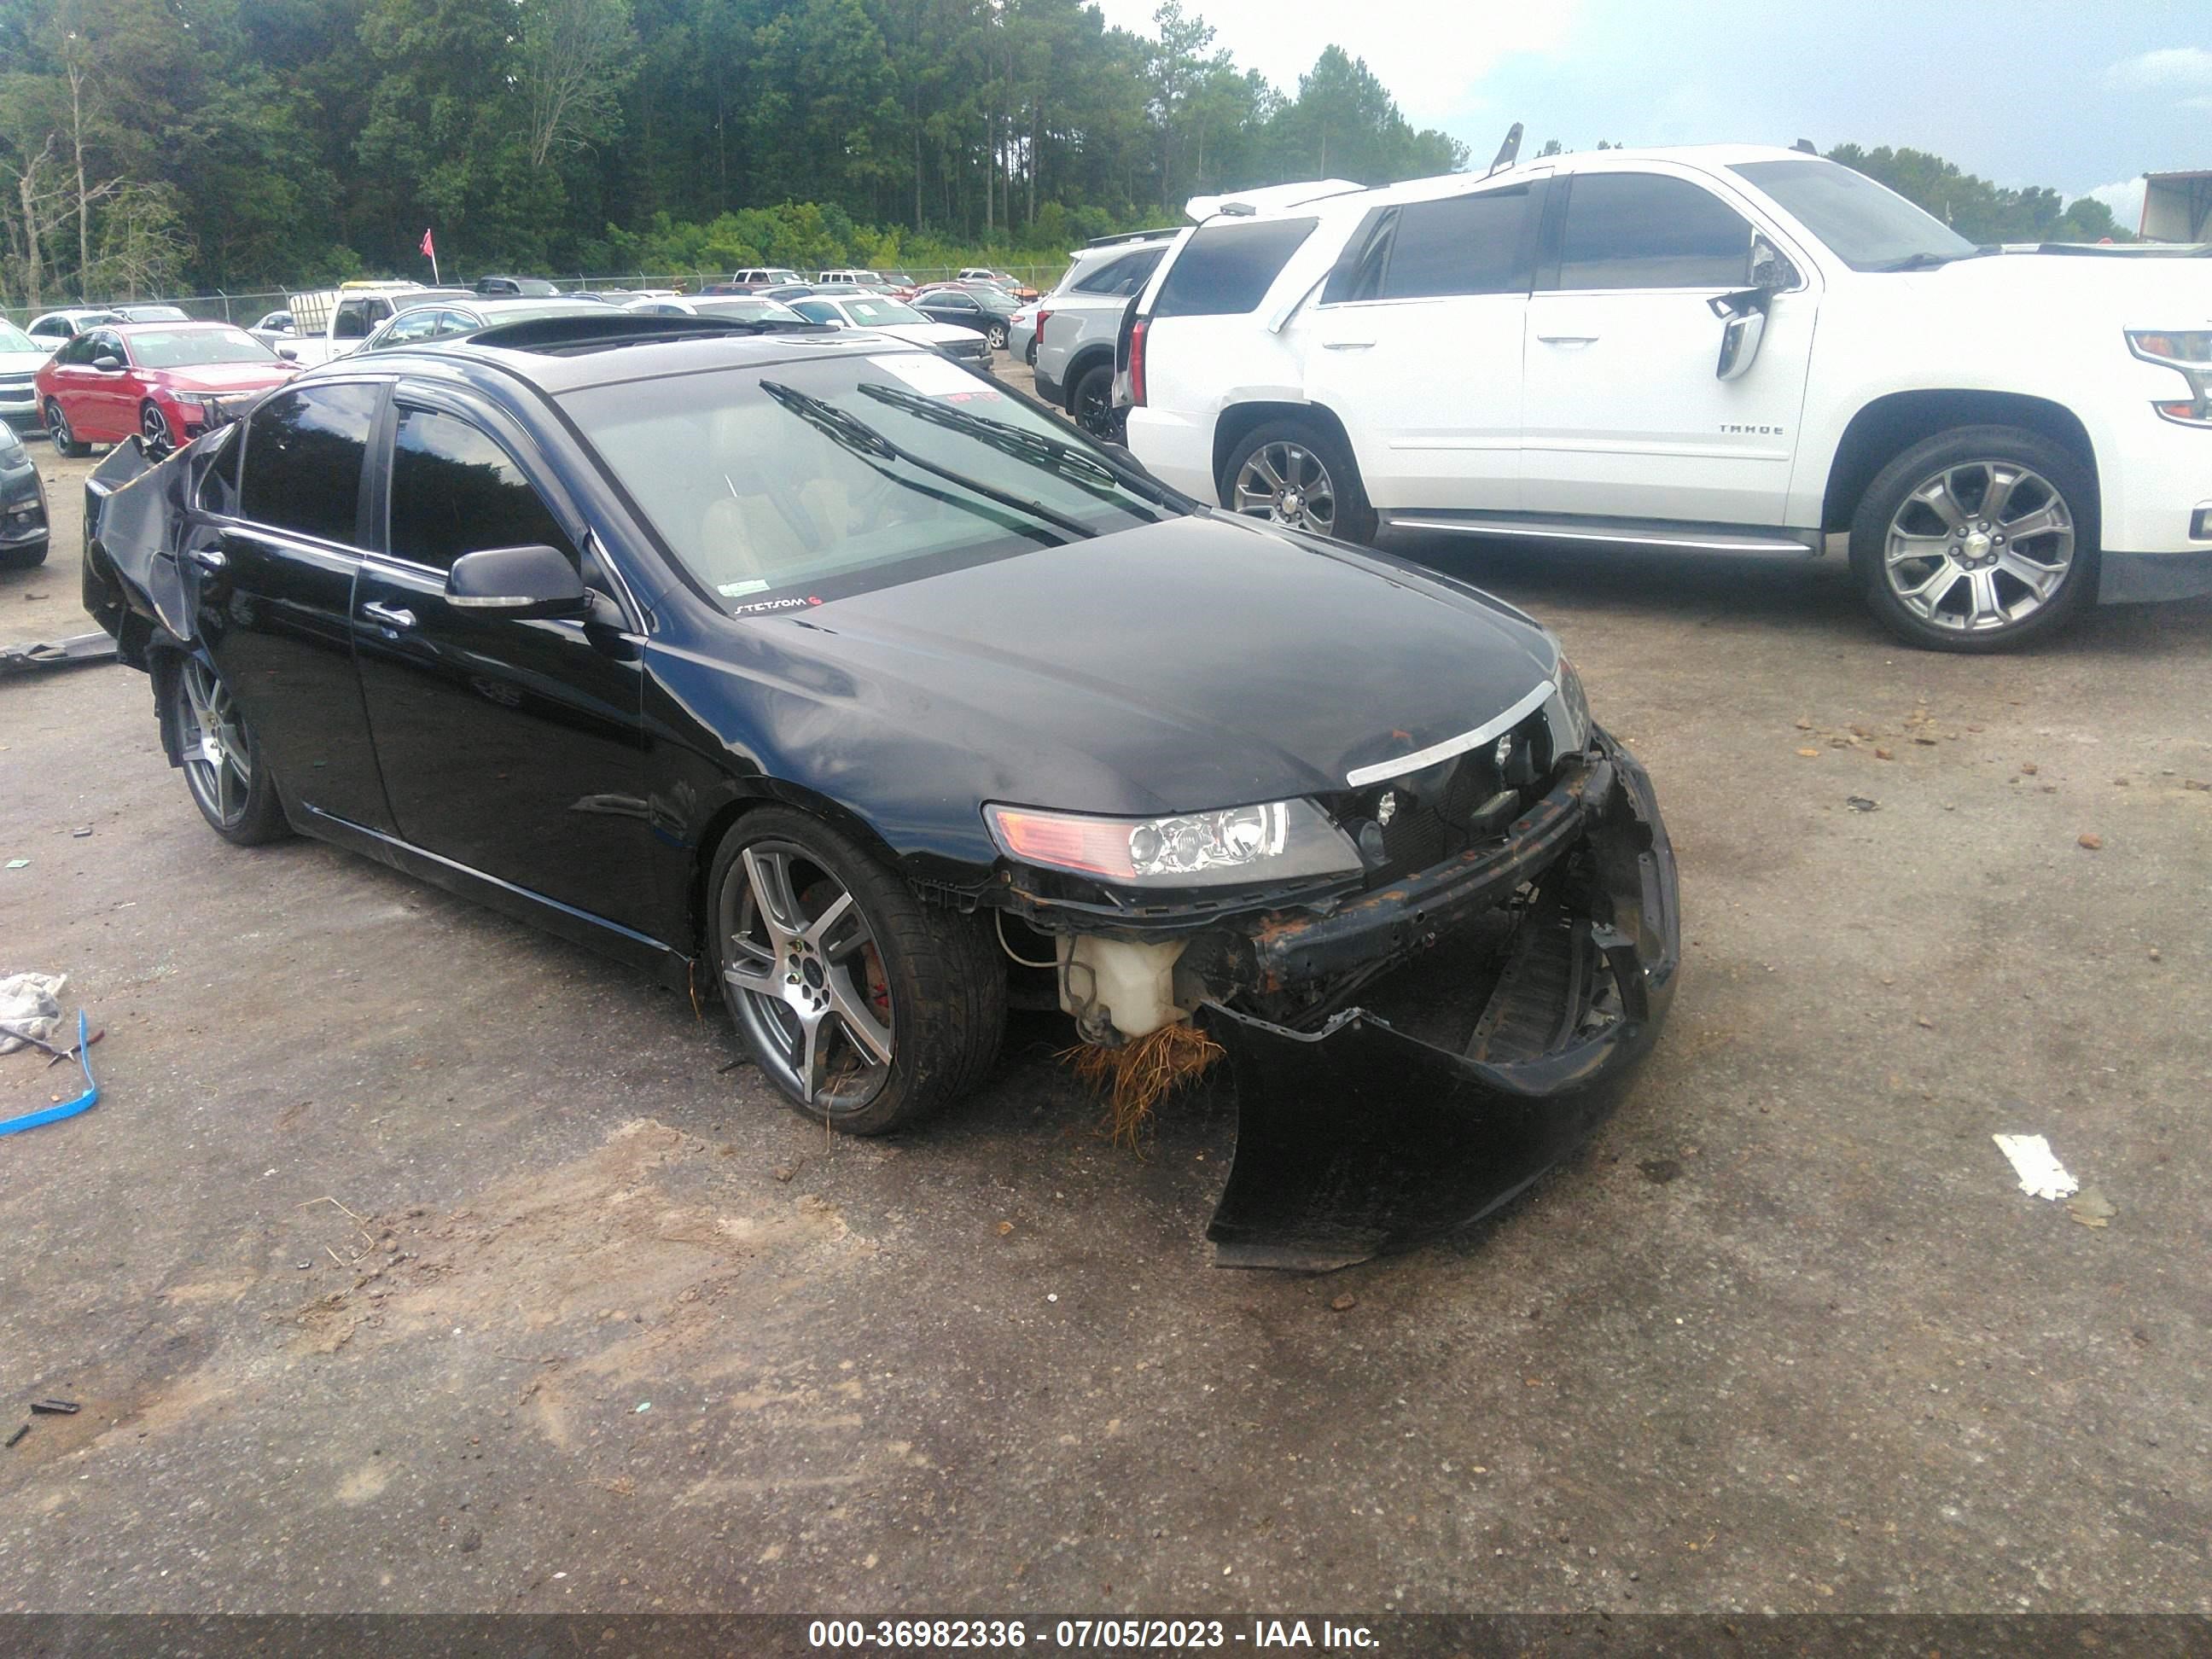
column 2083, row 98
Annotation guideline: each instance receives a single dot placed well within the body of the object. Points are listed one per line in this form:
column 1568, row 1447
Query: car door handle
column 1346, row 345
column 390, row 615
column 1568, row 339
column 209, row 559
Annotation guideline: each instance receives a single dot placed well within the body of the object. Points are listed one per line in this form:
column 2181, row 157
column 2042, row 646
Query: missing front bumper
column 1362, row 1137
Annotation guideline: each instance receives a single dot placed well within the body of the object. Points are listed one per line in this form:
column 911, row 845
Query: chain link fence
column 247, row 308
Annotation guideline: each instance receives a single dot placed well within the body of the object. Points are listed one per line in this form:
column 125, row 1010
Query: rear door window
column 303, row 465
column 1120, row 278
column 1461, row 244
column 1626, row 230
column 1227, row 266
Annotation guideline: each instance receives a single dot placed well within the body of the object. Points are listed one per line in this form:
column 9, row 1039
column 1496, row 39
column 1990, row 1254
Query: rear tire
column 929, row 984
column 1977, row 540
column 997, row 337
column 59, row 429
column 1298, row 473
column 1090, row 403
column 229, row 782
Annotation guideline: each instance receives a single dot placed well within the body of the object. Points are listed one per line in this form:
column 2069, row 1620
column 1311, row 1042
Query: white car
column 852, row 276
column 21, row 357
column 745, row 307
column 899, row 321
column 56, row 329
column 1622, row 347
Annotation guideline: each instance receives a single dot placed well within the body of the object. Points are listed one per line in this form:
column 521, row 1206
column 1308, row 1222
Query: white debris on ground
column 32, row 1004
column 2041, row 1175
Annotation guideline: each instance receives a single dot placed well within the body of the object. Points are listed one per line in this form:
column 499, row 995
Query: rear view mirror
column 1743, row 326
column 291, row 353
column 108, row 365
column 522, row 582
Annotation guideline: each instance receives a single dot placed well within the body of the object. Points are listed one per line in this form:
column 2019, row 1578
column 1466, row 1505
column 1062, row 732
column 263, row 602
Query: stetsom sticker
column 935, row 377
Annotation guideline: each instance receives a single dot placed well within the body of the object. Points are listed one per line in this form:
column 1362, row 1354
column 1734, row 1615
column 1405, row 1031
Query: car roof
column 561, row 354
column 157, row 326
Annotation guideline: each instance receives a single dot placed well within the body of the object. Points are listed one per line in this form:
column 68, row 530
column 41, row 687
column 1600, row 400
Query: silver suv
column 1076, row 321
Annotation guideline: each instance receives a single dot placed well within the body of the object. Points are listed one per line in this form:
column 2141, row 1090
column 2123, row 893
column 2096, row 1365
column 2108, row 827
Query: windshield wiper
column 1038, row 448
column 857, row 436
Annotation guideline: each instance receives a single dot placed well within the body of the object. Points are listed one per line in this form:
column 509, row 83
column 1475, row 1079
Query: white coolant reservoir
column 1129, row 986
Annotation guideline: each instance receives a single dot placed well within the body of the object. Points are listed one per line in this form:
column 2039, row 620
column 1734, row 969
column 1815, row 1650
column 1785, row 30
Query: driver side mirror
column 291, row 353
column 521, row 582
column 107, row 364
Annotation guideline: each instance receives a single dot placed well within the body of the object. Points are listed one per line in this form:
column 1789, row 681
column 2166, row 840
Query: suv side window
column 1461, row 244
column 1120, row 278
column 1627, row 230
column 456, row 491
column 1227, row 266
column 309, row 445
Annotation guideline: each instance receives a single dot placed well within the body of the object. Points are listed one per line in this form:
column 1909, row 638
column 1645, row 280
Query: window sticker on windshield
column 934, row 377
column 738, row 590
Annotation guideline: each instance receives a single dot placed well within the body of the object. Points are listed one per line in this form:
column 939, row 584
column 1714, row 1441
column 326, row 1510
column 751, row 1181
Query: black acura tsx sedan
column 810, row 666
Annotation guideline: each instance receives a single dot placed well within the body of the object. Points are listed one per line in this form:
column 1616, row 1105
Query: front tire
column 222, row 764
column 868, row 1009
column 57, row 428
column 154, row 426
column 1300, row 474
column 1979, row 539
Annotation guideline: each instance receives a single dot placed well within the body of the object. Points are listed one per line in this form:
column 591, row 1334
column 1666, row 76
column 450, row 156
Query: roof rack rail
column 1131, row 236
column 621, row 328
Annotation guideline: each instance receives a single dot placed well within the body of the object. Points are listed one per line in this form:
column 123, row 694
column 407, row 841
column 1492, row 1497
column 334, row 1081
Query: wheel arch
column 1888, row 426
column 1239, row 420
column 1084, row 358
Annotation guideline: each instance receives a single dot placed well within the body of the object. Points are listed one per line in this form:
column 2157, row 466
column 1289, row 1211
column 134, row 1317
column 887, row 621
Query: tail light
column 1041, row 315
column 1137, row 360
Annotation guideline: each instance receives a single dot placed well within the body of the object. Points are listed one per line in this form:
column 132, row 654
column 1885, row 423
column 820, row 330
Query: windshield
column 878, row 313
column 745, row 310
column 782, row 486
column 1866, row 226
column 13, row 339
column 155, row 347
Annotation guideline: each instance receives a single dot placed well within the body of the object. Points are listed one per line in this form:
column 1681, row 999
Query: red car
column 166, row 381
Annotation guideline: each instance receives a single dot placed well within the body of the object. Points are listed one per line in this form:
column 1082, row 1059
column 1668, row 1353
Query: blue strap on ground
column 68, row 1108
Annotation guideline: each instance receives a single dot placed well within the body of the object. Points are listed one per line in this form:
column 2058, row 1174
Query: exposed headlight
column 1276, row 841
column 2188, row 352
column 192, row 399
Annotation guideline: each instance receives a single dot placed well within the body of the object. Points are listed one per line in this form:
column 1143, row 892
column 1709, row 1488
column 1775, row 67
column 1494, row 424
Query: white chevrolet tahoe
column 1730, row 349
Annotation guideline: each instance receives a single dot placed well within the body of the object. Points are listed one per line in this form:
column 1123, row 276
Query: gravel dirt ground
column 413, row 1260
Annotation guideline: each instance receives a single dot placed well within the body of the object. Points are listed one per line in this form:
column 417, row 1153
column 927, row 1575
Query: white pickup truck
column 1728, row 349
column 332, row 322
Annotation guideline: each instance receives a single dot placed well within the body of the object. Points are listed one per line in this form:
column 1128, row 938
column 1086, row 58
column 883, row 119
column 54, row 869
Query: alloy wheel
column 1979, row 546
column 1286, row 484
column 1094, row 407
column 812, row 994
column 155, row 427
column 218, row 761
column 57, row 428
column 998, row 336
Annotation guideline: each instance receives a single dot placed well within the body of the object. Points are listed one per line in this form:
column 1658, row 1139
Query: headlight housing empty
column 1272, row 842
column 2188, row 352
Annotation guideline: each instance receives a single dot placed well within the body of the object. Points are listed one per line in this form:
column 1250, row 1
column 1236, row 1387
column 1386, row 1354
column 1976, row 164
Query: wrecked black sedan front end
column 1413, row 1044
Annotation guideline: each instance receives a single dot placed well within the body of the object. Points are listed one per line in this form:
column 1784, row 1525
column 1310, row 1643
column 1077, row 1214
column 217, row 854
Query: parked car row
column 1620, row 347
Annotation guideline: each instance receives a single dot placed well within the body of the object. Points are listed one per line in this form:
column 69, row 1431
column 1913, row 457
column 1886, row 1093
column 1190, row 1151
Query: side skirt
column 611, row 939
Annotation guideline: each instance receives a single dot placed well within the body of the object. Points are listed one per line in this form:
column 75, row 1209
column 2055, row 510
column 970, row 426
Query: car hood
column 928, row 334
column 2124, row 293
column 1205, row 661
column 222, row 377
column 23, row 362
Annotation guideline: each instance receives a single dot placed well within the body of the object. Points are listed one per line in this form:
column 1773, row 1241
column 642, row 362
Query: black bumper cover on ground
column 1360, row 1138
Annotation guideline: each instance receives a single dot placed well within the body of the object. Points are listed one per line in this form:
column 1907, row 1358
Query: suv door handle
column 209, row 559
column 1568, row 339
column 390, row 615
column 1346, row 345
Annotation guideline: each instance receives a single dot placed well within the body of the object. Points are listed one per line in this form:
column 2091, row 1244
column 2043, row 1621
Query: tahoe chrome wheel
column 1286, row 484
column 218, row 763
column 801, row 954
column 1979, row 546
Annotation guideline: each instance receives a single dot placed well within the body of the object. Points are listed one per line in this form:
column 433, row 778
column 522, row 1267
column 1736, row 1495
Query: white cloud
column 2171, row 69
column 2125, row 199
column 1431, row 57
